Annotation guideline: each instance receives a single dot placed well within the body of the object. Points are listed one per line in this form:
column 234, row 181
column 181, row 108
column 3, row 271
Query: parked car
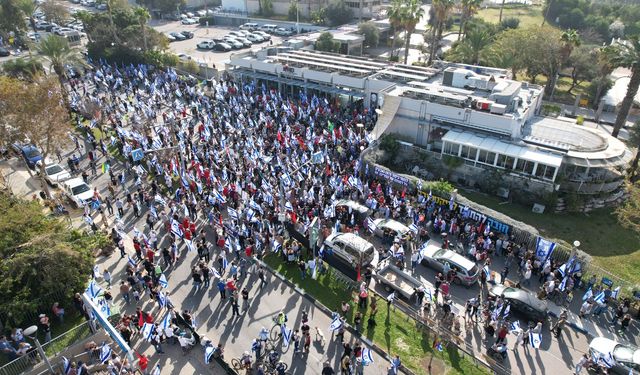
column 29, row 153
column 190, row 21
column 351, row 249
column 33, row 36
column 77, row 191
column 251, row 26
column 62, row 30
column 171, row 38
column 268, row 28
column 222, row 47
column 206, row 44
column 233, row 43
column 201, row 13
column 190, row 15
column 43, row 25
column 184, row 57
column 360, row 211
column 187, row 34
column 235, row 34
column 262, row 34
column 54, row 173
column 282, row 32
column 435, row 257
column 177, row 35
column 626, row 359
column 245, row 42
column 101, row 7
column 4, row 52
column 522, row 301
column 255, row 38
column 392, row 227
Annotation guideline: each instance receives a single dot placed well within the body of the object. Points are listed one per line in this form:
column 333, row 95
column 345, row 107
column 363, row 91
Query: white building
column 478, row 114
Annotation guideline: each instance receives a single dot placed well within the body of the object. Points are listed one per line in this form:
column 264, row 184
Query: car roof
column 73, row 182
column 392, row 224
column 602, row 345
column 353, row 204
column 456, row 258
column 358, row 242
column 520, row 295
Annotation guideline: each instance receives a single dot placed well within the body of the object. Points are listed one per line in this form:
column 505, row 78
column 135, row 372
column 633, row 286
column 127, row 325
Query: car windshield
column 623, row 353
column 32, row 153
column 473, row 270
column 54, row 169
column 439, row 253
column 80, row 189
column 367, row 256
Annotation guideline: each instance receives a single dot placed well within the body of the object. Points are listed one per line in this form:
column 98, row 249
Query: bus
column 73, row 37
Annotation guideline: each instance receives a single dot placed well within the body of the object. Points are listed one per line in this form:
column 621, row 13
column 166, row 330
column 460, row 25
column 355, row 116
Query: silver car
column 433, row 256
column 623, row 359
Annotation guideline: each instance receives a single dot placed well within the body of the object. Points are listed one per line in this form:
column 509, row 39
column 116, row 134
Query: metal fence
column 52, row 349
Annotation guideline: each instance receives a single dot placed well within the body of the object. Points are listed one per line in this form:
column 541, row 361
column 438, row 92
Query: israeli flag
column 506, row 311
column 66, row 365
column 190, row 246
column 286, row 334
column 587, row 294
column 153, row 211
column 277, row 247
column 615, row 293
column 208, row 353
column 366, row 356
column 535, row 339
column 371, row 225
column 336, row 324
column 156, row 370
column 105, row 353
column 288, row 206
column 487, row 271
column 250, row 215
column 439, row 346
column 608, row 360
column 166, row 322
column 93, row 290
column 600, row 297
column 515, row 326
column 255, row 206
column 162, row 300
column 175, row 229
column 219, row 197
column 88, row 219
column 147, row 331
column 286, row 180
column 232, row 213
column 563, row 284
column 544, row 249
column 163, row 281
column 225, row 263
column 413, row 228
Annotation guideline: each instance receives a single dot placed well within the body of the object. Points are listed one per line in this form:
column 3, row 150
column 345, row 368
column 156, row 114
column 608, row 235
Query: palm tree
column 634, row 141
column 602, row 57
column 569, row 39
column 474, row 46
column 441, row 11
column 395, row 14
column 143, row 16
column 28, row 7
column 501, row 9
column 412, row 14
column 111, row 24
column 57, row 51
column 627, row 55
column 469, row 8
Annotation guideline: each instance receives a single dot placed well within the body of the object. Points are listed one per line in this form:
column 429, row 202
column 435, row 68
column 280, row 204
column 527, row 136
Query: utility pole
column 297, row 17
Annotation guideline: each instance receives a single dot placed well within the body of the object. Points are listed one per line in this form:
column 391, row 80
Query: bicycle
column 280, row 368
column 276, row 330
column 240, row 364
column 266, row 346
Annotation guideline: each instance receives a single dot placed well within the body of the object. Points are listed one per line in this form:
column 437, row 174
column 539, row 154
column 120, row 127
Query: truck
column 393, row 279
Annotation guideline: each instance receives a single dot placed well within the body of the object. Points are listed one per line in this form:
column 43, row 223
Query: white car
column 190, row 21
column 395, row 228
column 282, row 32
column 54, row 173
column 201, row 13
column 184, row 57
column 78, row 191
column 233, row 43
column 255, row 38
column 262, row 34
column 351, row 249
column 622, row 359
column 62, row 30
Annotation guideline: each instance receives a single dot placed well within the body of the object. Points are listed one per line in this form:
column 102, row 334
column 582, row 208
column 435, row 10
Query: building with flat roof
column 478, row 114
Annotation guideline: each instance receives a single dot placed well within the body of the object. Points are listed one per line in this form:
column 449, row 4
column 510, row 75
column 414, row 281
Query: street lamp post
column 297, row 17
column 31, row 333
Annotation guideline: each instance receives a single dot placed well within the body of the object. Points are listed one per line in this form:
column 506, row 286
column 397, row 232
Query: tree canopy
column 43, row 261
column 371, row 33
column 338, row 13
column 326, row 43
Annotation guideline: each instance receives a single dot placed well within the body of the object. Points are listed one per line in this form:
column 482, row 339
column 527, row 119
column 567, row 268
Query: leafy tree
column 43, row 261
column 604, row 67
column 11, row 16
column 581, row 65
column 627, row 55
column 319, row 16
column 338, row 13
column 57, row 51
column 25, row 69
column 441, row 10
column 468, row 9
column 616, row 29
column 510, row 23
column 37, row 111
column 326, row 43
column 266, row 8
column 143, row 16
column 628, row 213
column 371, row 33
column 28, row 7
column 293, row 11
column 474, row 47
column 54, row 11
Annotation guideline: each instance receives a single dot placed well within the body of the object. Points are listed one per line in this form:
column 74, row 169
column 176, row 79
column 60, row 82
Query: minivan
column 360, row 211
column 269, row 28
column 433, row 256
column 351, row 250
column 249, row 26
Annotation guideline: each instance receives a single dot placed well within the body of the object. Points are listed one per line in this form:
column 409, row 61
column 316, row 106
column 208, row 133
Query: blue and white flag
column 439, row 346
column 506, row 311
column 147, row 331
column 288, row 206
column 162, row 300
column 208, row 353
column 166, row 322
column 515, row 326
column 413, row 228
column 535, row 339
column 615, row 293
column 277, row 246
column 286, row 335
column 232, row 213
column 544, row 249
column 587, row 294
column 371, row 225
column 175, row 229
column 94, row 289
column 66, row 365
column 132, row 262
column 105, row 353
column 487, row 271
column 104, row 307
column 336, row 324
column 366, row 356
column 156, row 370
column 225, row 263
column 88, row 219
column 162, row 280
column 219, row 197
column 563, row 284
column 600, row 297
column 286, row 180
column 607, row 360
column 190, row 245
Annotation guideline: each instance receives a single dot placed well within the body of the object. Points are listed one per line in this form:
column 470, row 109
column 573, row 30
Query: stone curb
column 326, row 310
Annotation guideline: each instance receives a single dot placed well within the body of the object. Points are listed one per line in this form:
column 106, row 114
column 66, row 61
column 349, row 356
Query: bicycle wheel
column 235, row 363
column 268, row 346
column 274, row 335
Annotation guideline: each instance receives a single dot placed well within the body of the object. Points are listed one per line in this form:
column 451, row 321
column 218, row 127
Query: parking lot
column 202, row 33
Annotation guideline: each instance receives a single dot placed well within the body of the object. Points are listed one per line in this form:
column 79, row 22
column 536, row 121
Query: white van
column 269, row 28
column 249, row 26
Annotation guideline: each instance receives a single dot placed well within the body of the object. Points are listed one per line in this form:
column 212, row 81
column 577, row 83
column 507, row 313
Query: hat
column 41, row 316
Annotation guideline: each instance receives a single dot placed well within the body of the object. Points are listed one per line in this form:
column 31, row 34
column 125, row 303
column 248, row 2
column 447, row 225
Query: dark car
column 522, row 301
column 177, row 35
column 222, row 47
column 29, row 153
column 4, row 52
column 187, row 34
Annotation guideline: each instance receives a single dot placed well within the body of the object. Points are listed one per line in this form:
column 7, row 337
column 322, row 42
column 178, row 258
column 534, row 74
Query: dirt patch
column 433, row 365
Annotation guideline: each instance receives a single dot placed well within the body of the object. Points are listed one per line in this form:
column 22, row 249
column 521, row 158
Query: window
column 505, row 161
column 451, row 148
column 545, row 172
column 486, row 157
column 525, row 166
column 469, row 152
